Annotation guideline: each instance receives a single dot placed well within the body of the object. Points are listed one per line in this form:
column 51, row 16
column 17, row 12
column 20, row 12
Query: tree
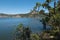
column 38, row 5
column 48, row 1
column 58, row 6
column 23, row 33
column 46, row 5
column 19, row 32
column 41, row 12
column 34, row 9
column 54, row 6
column 35, row 37
column 27, row 33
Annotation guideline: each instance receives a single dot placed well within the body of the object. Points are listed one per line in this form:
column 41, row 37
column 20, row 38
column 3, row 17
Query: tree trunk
column 54, row 6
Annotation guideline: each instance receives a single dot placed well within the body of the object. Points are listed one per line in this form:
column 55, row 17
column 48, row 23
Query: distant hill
column 13, row 15
column 32, row 14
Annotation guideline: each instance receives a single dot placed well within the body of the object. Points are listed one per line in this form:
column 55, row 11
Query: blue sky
column 17, row 6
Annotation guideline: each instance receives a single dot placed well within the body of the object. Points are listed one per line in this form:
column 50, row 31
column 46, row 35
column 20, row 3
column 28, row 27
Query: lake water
column 9, row 25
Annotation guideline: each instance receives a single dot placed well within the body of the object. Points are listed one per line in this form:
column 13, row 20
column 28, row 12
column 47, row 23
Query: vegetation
column 52, row 19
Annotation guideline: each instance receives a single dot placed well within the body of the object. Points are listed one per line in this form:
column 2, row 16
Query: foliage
column 37, row 6
column 41, row 12
column 20, row 27
column 22, row 35
column 22, row 32
column 35, row 37
column 53, row 20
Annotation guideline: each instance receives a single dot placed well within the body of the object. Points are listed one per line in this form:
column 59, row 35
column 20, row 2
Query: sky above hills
column 17, row 6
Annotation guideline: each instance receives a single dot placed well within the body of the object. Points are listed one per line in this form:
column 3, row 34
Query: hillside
column 32, row 14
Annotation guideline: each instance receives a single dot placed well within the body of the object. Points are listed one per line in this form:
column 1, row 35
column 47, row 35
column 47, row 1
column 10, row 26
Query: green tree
column 23, row 33
column 38, row 5
column 34, row 9
column 35, row 37
column 47, row 6
column 58, row 6
column 41, row 12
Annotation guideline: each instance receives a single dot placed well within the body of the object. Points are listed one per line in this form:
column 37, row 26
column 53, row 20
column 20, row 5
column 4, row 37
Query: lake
column 8, row 26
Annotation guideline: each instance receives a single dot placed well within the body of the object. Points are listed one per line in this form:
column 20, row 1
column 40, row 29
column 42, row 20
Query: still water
column 8, row 26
